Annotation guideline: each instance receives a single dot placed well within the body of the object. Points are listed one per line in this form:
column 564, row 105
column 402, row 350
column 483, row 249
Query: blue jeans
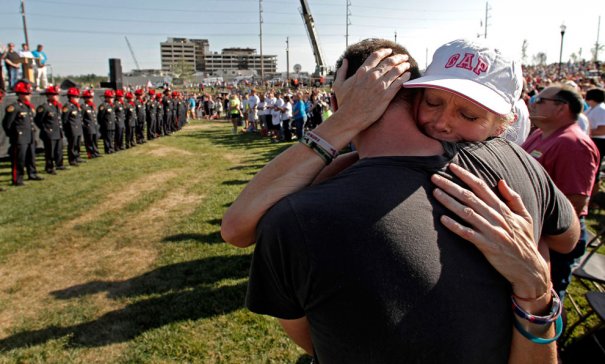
column 13, row 74
column 563, row 264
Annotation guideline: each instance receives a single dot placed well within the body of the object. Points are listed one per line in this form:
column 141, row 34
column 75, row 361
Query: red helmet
column 109, row 93
column 119, row 93
column 88, row 93
column 138, row 92
column 23, row 87
column 158, row 96
column 175, row 93
column 152, row 92
column 51, row 90
column 129, row 96
column 72, row 91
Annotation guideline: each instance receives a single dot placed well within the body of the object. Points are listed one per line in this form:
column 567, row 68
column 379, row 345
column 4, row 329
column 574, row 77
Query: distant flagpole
column 24, row 22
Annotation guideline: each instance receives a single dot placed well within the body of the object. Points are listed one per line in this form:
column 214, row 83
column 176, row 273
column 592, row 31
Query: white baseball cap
column 477, row 72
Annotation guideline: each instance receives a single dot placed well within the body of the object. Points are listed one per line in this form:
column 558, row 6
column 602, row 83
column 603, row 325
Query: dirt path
column 72, row 258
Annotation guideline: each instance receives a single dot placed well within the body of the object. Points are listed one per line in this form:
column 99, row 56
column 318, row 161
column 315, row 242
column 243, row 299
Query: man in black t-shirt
column 12, row 61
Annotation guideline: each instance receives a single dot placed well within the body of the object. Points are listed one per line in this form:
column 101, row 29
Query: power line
column 189, row 11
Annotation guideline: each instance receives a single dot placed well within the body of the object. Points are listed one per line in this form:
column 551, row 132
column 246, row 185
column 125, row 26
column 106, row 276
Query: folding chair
column 596, row 300
column 591, row 274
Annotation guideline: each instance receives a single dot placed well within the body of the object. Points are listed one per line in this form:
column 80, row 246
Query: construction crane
column 132, row 54
column 320, row 66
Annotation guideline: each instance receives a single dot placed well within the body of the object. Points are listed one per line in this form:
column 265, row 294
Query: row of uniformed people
column 76, row 121
column 165, row 114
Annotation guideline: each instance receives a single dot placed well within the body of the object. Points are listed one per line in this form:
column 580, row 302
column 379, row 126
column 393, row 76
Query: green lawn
column 120, row 260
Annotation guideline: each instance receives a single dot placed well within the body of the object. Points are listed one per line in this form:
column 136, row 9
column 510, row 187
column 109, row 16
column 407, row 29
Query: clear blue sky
column 80, row 35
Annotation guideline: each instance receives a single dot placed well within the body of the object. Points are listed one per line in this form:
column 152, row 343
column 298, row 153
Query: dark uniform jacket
column 72, row 120
column 89, row 119
column 18, row 123
column 160, row 112
column 48, row 120
column 141, row 112
column 167, row 105
column 151, row 110
column 131, row 116
column 120, row 112
column 106, row 117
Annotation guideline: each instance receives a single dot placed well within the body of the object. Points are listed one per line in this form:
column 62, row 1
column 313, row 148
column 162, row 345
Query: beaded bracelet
column 540, row 340
column 555, row 311
column 326, row 151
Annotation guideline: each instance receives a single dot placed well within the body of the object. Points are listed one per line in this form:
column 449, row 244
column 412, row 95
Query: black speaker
column 115, row 73
column 67, row 83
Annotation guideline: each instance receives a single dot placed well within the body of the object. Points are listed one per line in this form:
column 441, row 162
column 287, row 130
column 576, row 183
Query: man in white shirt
column 252, row 102
column 275, row 127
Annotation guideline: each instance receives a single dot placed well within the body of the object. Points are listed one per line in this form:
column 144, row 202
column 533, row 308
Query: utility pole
column 348, row 23
column 288, row 59
column 260, row 24
column 596, row 45
column 486, row 18
column 24, row 22
column 395, row 36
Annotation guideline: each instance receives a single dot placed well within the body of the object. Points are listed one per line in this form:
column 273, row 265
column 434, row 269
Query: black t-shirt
column 364, row 257
column 13, row 57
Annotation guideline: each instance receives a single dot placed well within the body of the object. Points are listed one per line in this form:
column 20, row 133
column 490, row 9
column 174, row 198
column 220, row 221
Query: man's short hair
column 357, row 53
column 570, row 95
column 595, row 94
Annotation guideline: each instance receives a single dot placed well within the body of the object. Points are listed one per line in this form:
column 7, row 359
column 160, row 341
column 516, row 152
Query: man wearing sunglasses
column 571, row 159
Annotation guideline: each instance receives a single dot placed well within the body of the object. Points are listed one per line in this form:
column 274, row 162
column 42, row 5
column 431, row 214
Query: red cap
column 72, row 91
column 158, row 96
column 152, row 92
column 88, row 93
column 23, row 87
column 109, row 93
column 129, row 95
column 51, row 90
column 138, row 92
column 175, row 93
column 119, row 93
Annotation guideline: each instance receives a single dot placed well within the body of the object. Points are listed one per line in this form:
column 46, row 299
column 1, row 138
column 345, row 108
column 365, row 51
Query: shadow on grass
column 212, row 238
column 245, row 167
column 235, row 182
column 179, row 292
column 215, row 222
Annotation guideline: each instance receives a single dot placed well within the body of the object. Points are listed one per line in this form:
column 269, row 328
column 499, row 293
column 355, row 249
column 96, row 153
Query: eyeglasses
column 540, row 99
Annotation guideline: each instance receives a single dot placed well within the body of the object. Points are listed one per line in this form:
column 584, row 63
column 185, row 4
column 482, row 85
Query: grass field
column 120, row 260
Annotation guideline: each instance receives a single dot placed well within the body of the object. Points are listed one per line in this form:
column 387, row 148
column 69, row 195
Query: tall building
column 240, row 59
column 195, row 54
column 178, row 54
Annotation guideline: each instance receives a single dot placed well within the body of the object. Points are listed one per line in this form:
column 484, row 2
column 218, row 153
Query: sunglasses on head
column 540, row 99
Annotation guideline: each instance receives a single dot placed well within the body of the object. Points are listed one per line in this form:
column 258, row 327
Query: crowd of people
column 122, row 121
column 279, row 115
column 25, row 64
